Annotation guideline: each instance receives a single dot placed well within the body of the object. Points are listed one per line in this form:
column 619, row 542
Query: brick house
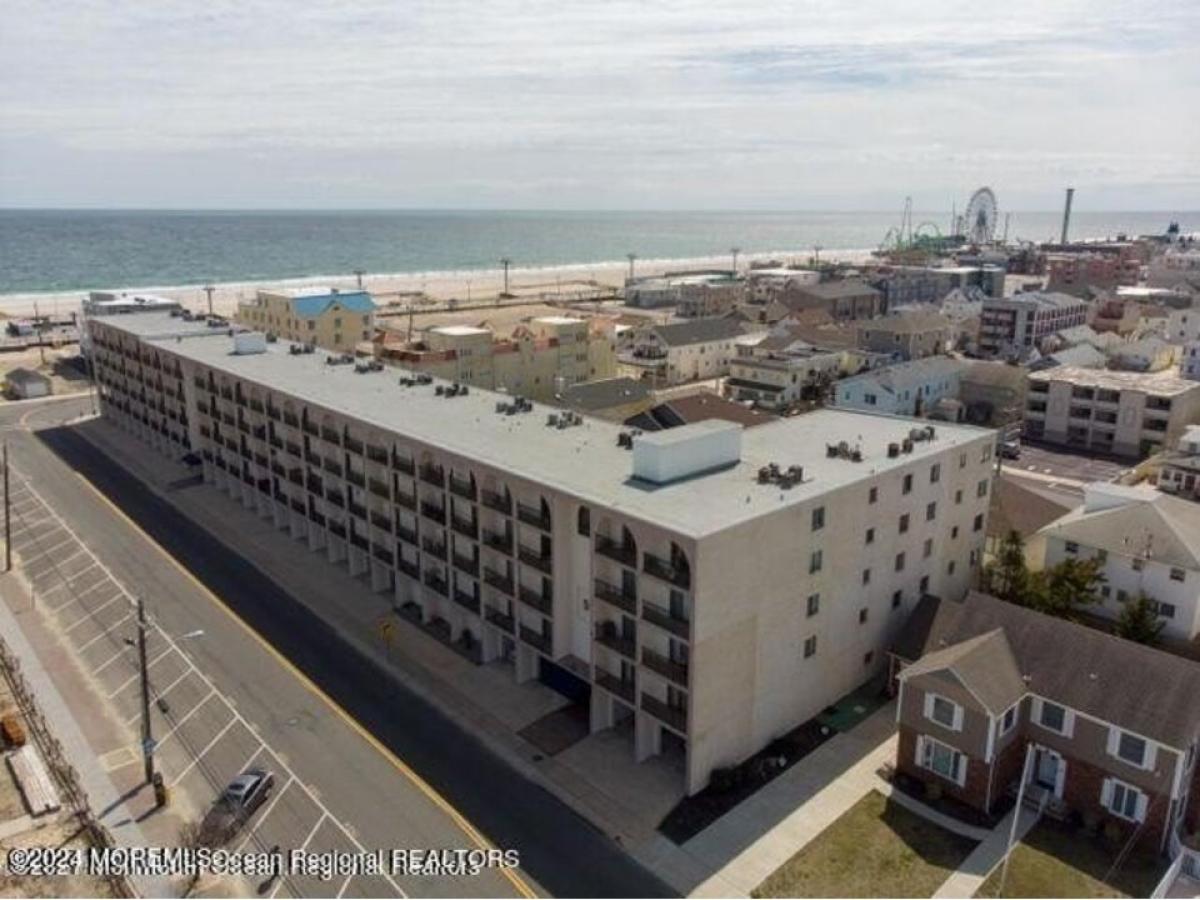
column 1109, row 727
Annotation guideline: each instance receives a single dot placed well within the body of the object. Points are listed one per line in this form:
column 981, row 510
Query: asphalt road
column 561, row 852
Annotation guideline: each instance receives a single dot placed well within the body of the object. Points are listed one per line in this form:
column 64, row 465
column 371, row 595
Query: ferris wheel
column 979, row 220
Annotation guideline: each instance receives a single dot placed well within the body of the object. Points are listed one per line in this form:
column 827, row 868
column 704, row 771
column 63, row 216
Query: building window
column 897, row 599
column 1102, row 556
column 1071, row 547
column 928, row 549
column 873, row 495
column 810, row 646
column 1053, row 717
column 978, row 526
column 1130, row 748
column 908, row 484
column 935, row 474
column 924, row 586
column 958, row 497
column 1122, row 595
column 814, row 604
column 1166, row 610
column 1178, row 574
column 584, row 525
column 870, row 535
column 862, row 616
column 818, row 518
column 1123, row 800
column 941, row 760
column 945, row 712
column 899, row 562
column 1138, row 564
column 981, row 489
column 1009, row 720
column 815, row 562
column 904, row 523
column 866, row 576
column 868, row 657
column 954, row 532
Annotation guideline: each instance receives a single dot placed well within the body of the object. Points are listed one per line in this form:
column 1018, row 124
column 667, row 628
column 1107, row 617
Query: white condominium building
column 705, row 588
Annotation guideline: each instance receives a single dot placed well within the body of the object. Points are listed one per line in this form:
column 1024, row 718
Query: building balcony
column 468, row 528
column 533, row 558
column 466, row 564
column 332, row 436
column 500, row 619
column 291, row 420
column 669, row 715
column 382, row 554
column 379, row 520
column 666, row 571
column 379, row 489
column 625, row 554
column 377, row 454
column 535, row 639
column 353, row 445
column 498, row 502
column 665, row 666
column 355, row 478
column 533, row 516
column 543, row 603
column 359, row 541
column 411, row 569
column 434, row 548
column 615, row 595
column 434, row 475
column 408, row 535
column 434, row 511
column 408, row 501
column 462, row 487
column 466, row 601
column 502, row 543
column 500, row 582
column 625, row 689
column 401, row 464
column 357, row 510
column 608, row 636
column 662, row 617
column 436, row 582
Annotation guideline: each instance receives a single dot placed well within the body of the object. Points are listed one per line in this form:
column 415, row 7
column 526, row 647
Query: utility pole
column 358, row 273
column 37, row 330
column 208, row 289
column 147, row 739
column 7, row 516
column 506, row 262
column 734, row 251
column 631, row 257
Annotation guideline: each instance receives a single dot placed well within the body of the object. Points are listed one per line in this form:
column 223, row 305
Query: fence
column 65, row 776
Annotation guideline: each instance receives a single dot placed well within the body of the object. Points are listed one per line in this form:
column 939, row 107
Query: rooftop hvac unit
column 440, row 390
column 907, row 446
column 893, row 450
column 552, row 419
column 625, row 440
column 310, row 348
column 501, row 406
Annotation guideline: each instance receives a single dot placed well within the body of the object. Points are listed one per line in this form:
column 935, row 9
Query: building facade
column 912, row 334
column 539, row 360
column 1180, row 472
column 703, row 587
column 998, row 701
column 329, row 318
column 905, row 389
column 682, row 351
column 1017, row 324
column 1131, row 414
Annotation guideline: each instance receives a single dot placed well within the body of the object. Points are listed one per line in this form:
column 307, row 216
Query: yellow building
column 538, row 361
column 332, row 319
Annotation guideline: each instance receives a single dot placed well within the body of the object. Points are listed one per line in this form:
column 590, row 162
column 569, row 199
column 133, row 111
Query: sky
column 678, row 104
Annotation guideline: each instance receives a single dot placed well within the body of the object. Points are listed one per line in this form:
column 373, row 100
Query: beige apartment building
column 331, row 319
column 539, row 361
column 1133, row 414
column 702, row 589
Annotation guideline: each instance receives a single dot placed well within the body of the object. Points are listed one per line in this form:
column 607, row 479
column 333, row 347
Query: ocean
column 49, row 251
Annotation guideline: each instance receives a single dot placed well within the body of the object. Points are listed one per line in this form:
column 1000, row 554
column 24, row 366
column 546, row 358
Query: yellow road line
column 417, row 781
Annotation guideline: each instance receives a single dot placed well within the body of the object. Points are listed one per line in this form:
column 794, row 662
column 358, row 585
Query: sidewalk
column 86, row 735
column 984, row 858
column 802, row 803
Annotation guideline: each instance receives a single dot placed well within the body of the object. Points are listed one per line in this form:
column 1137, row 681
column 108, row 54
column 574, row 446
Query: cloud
column 542, row 104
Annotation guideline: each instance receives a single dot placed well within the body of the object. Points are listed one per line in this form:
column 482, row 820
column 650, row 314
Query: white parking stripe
column 266, row 812
column 87, row 617
column 136, row 675
column 107, row 632
column 180, row 722
column 220, row 734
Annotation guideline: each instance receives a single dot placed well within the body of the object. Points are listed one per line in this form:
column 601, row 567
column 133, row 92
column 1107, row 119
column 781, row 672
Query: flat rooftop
column 1161, row 383
column 583, row 461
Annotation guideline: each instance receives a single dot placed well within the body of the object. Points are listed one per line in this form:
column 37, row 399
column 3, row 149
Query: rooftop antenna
column 208, row 289
column 506, row 262
column 735, row 251
column 631, row 257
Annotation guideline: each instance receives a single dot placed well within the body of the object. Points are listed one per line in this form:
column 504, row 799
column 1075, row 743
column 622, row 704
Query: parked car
column 237, row 803
column 1010, row 449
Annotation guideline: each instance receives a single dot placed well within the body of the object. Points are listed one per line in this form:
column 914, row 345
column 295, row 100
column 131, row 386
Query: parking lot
column 202, row 739
column 1053, row 463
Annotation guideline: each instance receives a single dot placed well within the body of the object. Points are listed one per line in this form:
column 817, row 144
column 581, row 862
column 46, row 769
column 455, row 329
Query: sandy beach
column 547, row 282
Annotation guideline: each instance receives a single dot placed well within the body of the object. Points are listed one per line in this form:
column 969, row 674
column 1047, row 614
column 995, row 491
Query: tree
column 1139, row 621
column 1008, row 577
column 1069, row 587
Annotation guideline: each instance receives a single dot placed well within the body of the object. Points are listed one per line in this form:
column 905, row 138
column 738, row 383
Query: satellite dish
column 979, row 220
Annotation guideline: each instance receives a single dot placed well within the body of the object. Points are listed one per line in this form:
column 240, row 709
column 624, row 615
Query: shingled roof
column 1129, row 685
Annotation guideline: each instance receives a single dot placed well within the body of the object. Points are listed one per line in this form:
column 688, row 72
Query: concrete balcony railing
column 501, row 503
column 608, row 636
column 625, row 689
column 670, row 715
column 625, row 554
column 665, row 666
column 542, row 602
column 663, row 618
column 500, row 582
column 501, row 543
column 434, row 548
column 613, row 594
column 462, row 487
column 533, row 516
column 468, row 528
column 532, row 558
column 501, row 620
column 466, row 601
column 466, row 564
column 666, row 571
column 535, row 639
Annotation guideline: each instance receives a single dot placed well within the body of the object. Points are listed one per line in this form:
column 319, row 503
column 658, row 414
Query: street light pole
column 7, row 516
column 147, row 738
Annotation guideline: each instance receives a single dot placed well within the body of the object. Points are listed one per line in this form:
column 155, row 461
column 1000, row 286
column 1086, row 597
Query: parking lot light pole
column 147, row 737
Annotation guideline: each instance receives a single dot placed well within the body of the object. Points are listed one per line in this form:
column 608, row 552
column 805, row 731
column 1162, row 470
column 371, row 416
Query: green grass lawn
column 1056, row 860
column 875, row 849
